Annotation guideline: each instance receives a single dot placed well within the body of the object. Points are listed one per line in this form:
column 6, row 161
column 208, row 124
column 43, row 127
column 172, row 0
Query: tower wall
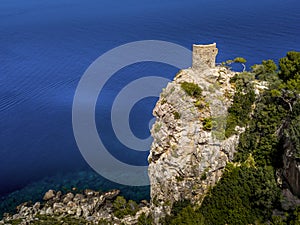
column 204, row 56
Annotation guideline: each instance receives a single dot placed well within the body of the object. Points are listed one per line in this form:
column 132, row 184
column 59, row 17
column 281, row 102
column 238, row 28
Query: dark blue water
column 45, row 47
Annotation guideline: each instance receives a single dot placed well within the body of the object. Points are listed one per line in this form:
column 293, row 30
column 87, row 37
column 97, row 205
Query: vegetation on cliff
column 248, row 192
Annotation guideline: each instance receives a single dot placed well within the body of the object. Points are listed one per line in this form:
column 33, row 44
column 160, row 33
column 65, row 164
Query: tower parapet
column 204, row 56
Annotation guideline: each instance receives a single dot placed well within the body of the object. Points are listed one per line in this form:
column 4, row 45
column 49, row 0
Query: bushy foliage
column 55, row 220
column 290, row 66
column 192, row 89
column 123, row 208
column 290, row 218
column 276, row 109
column 248, row 192
column 238, row 113
column 176, row 115
column 145, row 220
column 187, row 216
column 294, row 218
column 207, row 123
column 293, row 130
column 260, row 137
column 240, row 60
column 183, row 213
column 242, row 196
column 265, row 71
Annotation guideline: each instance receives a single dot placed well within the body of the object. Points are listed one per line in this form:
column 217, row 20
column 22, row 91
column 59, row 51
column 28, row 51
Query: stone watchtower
column 204, row 56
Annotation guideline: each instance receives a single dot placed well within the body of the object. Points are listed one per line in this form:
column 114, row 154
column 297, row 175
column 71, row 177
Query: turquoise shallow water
column 45, row 47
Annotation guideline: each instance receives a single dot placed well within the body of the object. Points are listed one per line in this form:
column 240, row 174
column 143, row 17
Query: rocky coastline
column 86, row 207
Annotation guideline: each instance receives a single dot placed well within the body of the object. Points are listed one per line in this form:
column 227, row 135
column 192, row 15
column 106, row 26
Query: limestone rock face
column 291, row 167
column 289, row 175
column 187, row 157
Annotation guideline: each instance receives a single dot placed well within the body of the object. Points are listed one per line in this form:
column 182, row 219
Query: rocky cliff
column 291, row 162
column 190, row 151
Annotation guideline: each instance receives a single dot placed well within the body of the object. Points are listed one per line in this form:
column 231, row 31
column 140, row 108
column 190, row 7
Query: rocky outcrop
column 88, row 207
column 289, row 174
column 188, row 155
column 291, row 167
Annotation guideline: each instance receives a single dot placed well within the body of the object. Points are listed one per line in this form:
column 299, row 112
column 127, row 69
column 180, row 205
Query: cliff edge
column 190, row 151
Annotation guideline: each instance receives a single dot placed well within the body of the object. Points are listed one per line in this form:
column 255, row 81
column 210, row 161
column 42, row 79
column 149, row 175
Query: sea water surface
column 46, row 46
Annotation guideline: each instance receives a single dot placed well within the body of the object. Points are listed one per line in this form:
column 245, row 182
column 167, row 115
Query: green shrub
column 192, row 89
column 239, row 111
column 187, row 216
column 239, row 60
column 266, row 71
column 242, row 196
column 56, row 220
column 123, row 208
column 145, row 220
column 176, row 115
column 207, row 123
column 183, row 213
column 15, row 222
column 290, row 66
column 203, row 176
column 179, row 178
column 201, row 104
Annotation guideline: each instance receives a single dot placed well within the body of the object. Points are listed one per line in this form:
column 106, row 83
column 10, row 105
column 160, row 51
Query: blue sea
column 46, row 46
